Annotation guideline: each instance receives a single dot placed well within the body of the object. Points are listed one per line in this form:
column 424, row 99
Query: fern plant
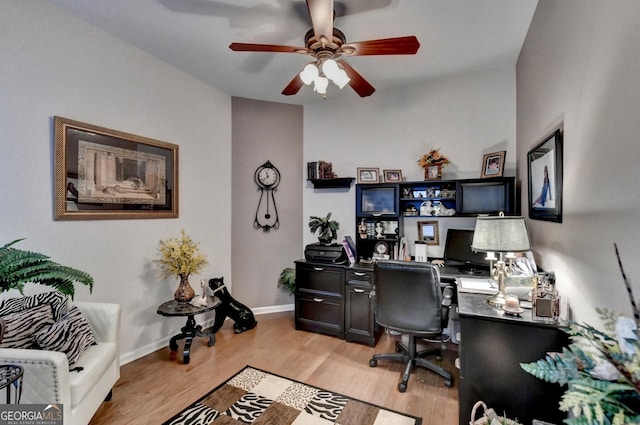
column 287, row 280
column 18, row 267
column 601, row 369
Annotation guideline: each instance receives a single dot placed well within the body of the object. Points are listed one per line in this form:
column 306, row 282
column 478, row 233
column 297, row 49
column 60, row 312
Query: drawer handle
column 359, row 291
column 318, row 269
column 318, row 300
column 360, row 274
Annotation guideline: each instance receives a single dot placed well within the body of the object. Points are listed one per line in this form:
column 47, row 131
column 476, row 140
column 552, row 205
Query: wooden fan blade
column 357, row 81
column 294, row 86
column 321, row 14
column 250, row 47
column 386, row 46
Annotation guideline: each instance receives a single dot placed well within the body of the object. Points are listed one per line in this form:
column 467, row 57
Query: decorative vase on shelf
column 185, row 292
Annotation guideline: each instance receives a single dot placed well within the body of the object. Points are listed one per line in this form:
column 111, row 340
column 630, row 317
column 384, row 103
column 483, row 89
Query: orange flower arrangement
column 433, row 157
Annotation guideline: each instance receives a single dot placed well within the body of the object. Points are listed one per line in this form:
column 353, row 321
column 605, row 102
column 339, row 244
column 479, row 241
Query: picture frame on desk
column 545, row 178
column 428, row 232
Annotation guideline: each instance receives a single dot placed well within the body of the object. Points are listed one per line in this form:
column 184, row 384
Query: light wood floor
column 155, row 387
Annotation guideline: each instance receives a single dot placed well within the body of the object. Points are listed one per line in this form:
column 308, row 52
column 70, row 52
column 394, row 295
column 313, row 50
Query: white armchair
column 47, row 378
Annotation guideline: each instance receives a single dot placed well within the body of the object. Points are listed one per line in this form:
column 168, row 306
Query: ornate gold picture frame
column 105, row 174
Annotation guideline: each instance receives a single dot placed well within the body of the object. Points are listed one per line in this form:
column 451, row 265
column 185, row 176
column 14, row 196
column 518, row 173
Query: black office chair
column 409, row 300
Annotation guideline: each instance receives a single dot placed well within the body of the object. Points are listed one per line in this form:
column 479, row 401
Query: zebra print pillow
column 57, row 300
column 21, row 327
column 70, row 335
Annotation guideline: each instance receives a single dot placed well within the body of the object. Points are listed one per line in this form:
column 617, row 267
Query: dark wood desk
column 492, row 346
column 190, row 330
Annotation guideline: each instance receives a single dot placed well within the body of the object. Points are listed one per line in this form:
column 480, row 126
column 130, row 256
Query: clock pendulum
column 267, row 177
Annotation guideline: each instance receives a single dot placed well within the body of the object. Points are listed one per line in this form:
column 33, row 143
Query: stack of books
column 320, row 170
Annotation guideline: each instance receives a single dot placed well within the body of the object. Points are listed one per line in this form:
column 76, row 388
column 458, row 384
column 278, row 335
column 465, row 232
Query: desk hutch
column 339, row 300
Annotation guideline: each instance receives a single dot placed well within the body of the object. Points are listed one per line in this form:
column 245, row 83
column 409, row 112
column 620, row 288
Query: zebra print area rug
column 253, row 396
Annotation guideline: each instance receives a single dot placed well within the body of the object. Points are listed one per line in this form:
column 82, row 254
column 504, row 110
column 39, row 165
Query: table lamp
column 504, row 235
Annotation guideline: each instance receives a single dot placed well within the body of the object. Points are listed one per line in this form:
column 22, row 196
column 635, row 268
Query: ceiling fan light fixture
column 320, row 85
column 309, row 74
column 341, row 78
column 330, row 69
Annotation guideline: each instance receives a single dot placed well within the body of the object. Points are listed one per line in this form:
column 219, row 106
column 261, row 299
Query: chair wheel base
column 448, row 383
column 373, row 363
column 402, row 387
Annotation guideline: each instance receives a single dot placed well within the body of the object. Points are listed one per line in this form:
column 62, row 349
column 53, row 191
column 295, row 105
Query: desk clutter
column 545, row 299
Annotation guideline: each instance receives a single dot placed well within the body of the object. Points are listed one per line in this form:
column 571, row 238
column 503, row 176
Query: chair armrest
column 447, row 295
column 46, row 374
column 104, row 319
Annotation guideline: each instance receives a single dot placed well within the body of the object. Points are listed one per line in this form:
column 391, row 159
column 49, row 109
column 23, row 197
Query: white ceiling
column 456, row 37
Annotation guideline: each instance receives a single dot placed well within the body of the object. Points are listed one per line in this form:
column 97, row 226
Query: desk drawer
column 319, row 278
column 320, row 314
column 360, row 277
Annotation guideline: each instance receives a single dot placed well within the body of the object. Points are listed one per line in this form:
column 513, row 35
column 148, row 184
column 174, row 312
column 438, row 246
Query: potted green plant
column 599, row 369
column 287, row 280
column 18, row 267
column 327, row 229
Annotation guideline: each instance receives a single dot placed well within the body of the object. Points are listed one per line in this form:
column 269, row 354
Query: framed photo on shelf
column 108, row 174
column 392, row 176
column 545, row 179
column 428, row 232
column 433, row 172
column 390, row 227
column 368, row 175
column 493, row 164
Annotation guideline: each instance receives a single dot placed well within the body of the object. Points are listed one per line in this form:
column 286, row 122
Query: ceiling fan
column 325, row 44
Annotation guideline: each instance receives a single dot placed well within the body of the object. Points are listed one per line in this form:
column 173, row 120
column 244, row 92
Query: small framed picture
column 390, row 227
column 428, row 232
column 392, row 176
column 493, row 164
column 368, row 175
column 433, row 172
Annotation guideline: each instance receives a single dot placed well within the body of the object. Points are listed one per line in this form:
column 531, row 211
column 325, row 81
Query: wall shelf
column 337, row 182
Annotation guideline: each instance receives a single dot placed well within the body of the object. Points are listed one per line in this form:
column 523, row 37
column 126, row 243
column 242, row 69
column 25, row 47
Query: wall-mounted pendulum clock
column 267, row 177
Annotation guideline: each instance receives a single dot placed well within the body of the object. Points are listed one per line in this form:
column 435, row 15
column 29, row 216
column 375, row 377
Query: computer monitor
column 457, row 249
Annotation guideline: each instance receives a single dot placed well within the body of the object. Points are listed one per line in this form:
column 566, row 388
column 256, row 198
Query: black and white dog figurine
column 238, row 312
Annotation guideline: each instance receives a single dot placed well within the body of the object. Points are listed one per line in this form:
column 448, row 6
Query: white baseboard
column 164, row 342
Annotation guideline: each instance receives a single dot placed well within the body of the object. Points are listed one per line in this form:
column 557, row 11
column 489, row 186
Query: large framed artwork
column 108, row 174
column 545, row 179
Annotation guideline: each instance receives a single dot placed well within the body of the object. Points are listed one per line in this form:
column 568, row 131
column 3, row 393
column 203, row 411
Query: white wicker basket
column 489, row 416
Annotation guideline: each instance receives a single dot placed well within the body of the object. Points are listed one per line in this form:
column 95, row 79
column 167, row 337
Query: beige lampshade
column 501, row 234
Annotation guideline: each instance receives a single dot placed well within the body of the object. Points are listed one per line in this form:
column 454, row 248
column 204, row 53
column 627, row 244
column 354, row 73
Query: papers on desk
column 477, row 285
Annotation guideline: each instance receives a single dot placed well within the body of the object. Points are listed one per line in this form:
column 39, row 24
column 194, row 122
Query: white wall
column 465, row 116
column 54, row 64
column 579, row 68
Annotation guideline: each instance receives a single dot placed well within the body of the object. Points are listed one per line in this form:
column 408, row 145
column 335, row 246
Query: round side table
column 11, row 376
column 190, row 330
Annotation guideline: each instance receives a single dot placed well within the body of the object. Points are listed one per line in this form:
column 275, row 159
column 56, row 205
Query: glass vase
column 185, row 292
